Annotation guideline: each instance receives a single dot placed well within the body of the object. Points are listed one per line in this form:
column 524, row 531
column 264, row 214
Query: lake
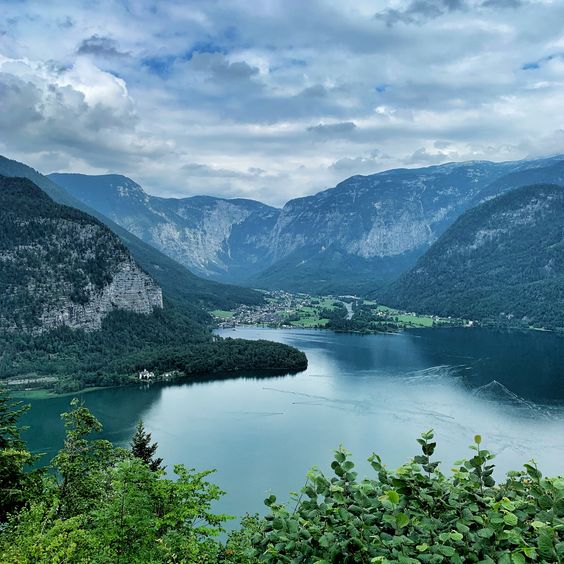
column 369, row 393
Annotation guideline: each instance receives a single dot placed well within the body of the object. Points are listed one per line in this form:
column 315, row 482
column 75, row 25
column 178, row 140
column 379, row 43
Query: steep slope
column 177, row 282
column 61, row 267
column 369, row 229
column 355, row 237
column 214, row 237
column 502, row 260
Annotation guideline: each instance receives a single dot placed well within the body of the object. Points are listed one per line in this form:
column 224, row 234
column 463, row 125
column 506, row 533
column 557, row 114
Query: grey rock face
column 214, row 237
column 61, row 267
column 130, row 290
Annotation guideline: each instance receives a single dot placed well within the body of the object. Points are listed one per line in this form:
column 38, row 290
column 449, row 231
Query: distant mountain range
column 356, row 237
column 501, row 261
column 217, row 238
column 177, row 282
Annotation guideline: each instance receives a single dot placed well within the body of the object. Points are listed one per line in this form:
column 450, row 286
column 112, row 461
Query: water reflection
column 374, row 393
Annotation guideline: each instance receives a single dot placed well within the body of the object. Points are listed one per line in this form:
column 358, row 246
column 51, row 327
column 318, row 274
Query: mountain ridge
column 482, row 267
column 177, row 282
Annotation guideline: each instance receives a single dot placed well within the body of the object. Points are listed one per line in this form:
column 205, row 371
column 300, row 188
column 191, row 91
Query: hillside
column 76, row 310
column 178, row 283
column 61, row 267
column 354, row 237
column 214, row 237
column 502, row 261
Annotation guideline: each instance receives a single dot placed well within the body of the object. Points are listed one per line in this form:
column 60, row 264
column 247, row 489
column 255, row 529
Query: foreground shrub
column 415, row 514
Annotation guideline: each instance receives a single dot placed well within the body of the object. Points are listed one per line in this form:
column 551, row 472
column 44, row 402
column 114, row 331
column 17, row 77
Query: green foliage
column 82, row 463
column 16, row 485
column 103, row 505
column 144, row 450
column 416, row 514
column 500, row 262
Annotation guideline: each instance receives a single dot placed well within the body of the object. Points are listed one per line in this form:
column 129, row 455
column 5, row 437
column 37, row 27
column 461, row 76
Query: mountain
column 501, row 261
column 214, row 237
column 61, row 267
column 76, row 310
column 366, row 231
column 355, row 237
column 178, row 283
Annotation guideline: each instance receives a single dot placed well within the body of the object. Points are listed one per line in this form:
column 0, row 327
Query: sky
column 276, row 99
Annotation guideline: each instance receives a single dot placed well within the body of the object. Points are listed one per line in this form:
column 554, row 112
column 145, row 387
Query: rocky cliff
column 61, row 267
column 214, row 237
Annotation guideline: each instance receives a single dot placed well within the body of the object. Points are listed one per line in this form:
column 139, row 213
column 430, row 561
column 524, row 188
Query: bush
column 416, row 514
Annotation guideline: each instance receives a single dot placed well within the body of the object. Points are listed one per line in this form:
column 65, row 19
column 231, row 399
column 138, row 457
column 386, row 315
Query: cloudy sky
column 274, row 99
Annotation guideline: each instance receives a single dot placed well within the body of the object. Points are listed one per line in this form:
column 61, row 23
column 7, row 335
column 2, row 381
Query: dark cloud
column 503, row 3
column 418, row 11
column 219, row 68
column 99, row 46
column 203, row 171
column 342, row 129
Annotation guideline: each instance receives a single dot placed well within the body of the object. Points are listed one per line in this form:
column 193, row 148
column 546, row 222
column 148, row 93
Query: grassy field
column 222, row 313
column 407, row 318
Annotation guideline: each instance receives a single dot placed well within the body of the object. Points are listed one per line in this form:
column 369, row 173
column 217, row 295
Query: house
column 146, row 375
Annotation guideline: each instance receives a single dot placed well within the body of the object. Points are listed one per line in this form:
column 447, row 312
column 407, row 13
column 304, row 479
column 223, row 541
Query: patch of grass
column 43, row 393
column 222, row 313
column 420, row 321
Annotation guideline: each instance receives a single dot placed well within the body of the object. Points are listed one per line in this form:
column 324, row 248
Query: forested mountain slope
column 61, row 267
column 178, row 283
column 501, row 261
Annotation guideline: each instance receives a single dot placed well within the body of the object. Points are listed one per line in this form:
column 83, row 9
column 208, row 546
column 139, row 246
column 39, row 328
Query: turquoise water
column 369, row 393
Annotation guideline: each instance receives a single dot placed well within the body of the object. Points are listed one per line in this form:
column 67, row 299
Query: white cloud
column 279, row 99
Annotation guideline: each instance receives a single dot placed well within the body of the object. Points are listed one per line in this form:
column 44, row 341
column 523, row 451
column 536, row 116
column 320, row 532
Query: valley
column 238, row 239
column 351, row 314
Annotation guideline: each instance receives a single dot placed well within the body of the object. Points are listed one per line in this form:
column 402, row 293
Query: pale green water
column 371, row 393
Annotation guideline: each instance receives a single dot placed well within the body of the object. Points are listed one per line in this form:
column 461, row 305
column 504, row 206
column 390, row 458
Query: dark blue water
column 369, row 393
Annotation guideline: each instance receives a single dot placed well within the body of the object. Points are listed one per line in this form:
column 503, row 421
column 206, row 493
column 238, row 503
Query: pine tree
column 15, row 483
column 142, row 448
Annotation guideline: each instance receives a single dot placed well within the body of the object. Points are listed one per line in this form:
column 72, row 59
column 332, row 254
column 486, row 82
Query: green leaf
column 447, row 550
column 456, row 536
column 422, row 547
column 510, row 519
column 393, row 496
column 401, row 520
column 486, row 533
column 517, row 558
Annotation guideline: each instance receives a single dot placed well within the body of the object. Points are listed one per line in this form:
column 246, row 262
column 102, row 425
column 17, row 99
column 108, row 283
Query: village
column 298, row 310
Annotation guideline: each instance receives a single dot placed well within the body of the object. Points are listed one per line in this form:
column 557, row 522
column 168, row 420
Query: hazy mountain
column 369, row 229
column 214, row 237
column 61, row 267
column 502, row 260
column 176, row 281
column 357, row 236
